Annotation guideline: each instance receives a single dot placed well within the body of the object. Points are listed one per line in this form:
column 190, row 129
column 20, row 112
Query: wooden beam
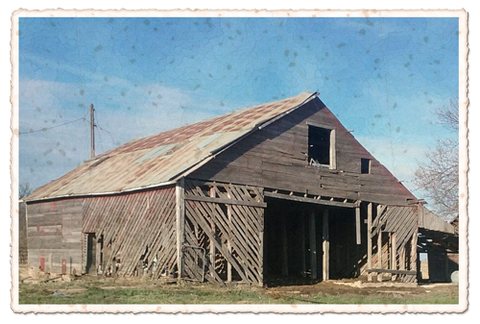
column 413, row 252
column 404, row 272
column 214, row 233
column 379, row 254
column 369, row 240
column 310, row 200
column 393, row 259
column 358, row 226
column 180, row 222
column 229, row 241
column 313, row 245
column 226, row 201
column 326, row 246
column 98, row 257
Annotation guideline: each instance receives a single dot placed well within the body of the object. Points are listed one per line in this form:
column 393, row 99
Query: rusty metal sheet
column 160, row 158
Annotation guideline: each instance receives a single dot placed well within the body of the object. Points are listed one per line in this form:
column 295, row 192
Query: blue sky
column 382, row 77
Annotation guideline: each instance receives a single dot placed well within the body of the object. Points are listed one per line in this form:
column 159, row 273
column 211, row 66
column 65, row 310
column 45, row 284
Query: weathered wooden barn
column 281, row 189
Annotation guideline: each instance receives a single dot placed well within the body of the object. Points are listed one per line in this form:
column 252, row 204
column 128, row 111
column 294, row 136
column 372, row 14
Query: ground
column 98, row 290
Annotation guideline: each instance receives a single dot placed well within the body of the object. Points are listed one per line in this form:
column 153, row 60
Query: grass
column 169, row 295
column 102, row 293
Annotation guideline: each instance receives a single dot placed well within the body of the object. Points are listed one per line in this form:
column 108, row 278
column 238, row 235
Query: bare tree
column 438, row 176
column 24, row 190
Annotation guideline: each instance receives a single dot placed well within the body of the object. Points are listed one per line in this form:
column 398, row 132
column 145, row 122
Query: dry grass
column 96, row 290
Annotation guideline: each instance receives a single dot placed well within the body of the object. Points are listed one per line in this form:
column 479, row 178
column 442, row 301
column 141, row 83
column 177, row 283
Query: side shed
column 280, row 189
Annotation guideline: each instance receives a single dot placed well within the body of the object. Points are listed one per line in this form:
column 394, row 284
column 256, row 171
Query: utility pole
column 92, row 132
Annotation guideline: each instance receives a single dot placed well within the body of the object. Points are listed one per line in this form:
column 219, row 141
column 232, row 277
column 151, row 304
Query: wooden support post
column 413, row 252
column 379, row 254
column 229, row 242
column 369, row 240
column 402, row 259
column 393, row 258
column 358, row 226
column 326, row 247
column 98, row 260
column 50, row 263
column 212, row 226
column 180, row 223
column 313, row 245
column 303, row 265
column 284, row 246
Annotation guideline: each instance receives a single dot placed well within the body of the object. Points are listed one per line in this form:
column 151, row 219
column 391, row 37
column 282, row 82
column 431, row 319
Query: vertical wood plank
column 98, row 256
column 358, row 226
column 50, row 263
column 212, row 225
column 229, row 241
column 180, row 220
column 369, row 240
column 379, row 255
column 261, row 214
column 333, row 152
column 326, row 246
column 393, row 259
column 413, row 252
column 313, row 245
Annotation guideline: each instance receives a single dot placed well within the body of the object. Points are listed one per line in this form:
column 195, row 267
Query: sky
column 382, row 77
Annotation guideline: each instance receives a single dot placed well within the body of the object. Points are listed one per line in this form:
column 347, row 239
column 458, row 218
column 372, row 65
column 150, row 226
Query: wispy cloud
column 55, row 135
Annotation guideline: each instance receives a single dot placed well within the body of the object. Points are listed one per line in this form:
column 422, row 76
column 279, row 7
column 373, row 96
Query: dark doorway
column 288, row 243
column 344, row 251
column 91, row 254
column 293, row 248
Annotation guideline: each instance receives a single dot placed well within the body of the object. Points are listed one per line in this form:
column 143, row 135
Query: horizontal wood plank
column 226, row 201
column 310, row 200
column 401, row 272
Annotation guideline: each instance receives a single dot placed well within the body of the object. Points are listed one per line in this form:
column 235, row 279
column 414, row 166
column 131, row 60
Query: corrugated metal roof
column 159, row 159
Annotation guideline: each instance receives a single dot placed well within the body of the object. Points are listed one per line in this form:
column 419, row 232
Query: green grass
column 93, row 293
column 169, row 295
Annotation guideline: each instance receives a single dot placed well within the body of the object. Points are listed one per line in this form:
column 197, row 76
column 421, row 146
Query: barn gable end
column 276, row 157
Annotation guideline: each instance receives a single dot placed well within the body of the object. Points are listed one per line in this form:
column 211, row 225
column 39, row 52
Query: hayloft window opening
column 321, row 146
column 366, row 166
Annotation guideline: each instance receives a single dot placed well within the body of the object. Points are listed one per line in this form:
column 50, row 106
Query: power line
column 45, row 129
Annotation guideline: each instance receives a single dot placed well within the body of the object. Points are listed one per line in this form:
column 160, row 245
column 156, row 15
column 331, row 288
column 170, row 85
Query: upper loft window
column 321, row 146
column 366, row 166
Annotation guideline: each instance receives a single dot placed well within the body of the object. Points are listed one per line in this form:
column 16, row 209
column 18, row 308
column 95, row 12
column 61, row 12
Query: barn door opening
column 306, row 243
column 345, row 254
column 91, row 254
column 293, row 240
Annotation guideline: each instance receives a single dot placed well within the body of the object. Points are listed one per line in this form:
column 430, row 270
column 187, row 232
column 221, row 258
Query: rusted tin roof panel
column 157, row 159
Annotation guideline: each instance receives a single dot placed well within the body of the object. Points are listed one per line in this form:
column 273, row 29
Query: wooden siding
column 276, row 157
column 54, row 234
column 137, row 231
column 231, row 234
column 396, row 228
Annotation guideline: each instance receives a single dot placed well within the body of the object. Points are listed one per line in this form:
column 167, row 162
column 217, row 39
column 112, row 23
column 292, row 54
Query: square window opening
column 366, row 166
column 319, row 146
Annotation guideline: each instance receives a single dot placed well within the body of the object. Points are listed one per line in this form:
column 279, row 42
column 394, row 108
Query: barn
column 278, row 190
